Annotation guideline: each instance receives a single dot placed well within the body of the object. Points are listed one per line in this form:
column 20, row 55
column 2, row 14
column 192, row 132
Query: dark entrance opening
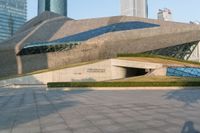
column 133, row 72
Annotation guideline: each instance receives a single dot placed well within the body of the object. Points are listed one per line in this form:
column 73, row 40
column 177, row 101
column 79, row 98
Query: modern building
column 56, row 6
column 165, row 14
column 12, row 17
column 136, row 8
column 62, row 46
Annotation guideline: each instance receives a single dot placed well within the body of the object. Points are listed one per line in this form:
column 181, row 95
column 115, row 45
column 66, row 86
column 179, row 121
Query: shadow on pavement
column 189, row 128
column 188, row 96
column 28, row 105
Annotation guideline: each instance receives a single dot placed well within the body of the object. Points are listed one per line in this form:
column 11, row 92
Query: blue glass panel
column 183, row 72
column 106, row 29
column 83, row 36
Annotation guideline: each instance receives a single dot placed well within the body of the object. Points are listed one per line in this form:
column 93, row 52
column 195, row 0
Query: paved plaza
column 35, row 110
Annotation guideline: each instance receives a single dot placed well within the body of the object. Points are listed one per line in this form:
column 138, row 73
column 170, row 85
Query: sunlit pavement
column 35, row 110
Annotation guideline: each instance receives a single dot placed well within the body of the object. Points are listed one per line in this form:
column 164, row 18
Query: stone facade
column 105, row 46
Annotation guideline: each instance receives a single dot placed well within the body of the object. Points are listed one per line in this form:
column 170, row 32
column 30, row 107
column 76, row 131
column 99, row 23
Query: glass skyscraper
column 136, row 8
column 12, row 17
column 56, row 6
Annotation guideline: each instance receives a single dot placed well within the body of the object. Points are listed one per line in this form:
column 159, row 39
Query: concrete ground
column 35, row 110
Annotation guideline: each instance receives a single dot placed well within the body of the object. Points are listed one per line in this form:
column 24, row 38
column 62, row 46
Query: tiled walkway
column 34, row 110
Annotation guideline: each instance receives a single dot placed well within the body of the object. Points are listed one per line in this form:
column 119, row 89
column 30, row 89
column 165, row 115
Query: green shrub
column 122, row 84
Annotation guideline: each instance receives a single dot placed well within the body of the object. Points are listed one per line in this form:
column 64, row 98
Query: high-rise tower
column 12, row 17
column 137, row 8
column 56, row 6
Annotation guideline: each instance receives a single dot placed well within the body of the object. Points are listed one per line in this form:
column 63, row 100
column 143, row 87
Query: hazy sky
column 183, row 10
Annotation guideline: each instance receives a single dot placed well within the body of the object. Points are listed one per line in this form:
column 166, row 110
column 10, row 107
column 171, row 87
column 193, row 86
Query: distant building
column 136, row 8
column 195, row 22
column 56, row 6
column 165, row 14
column 12, row 17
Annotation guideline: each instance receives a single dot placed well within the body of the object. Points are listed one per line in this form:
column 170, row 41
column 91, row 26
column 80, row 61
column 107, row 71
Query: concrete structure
column 50, row 41
column 56, row 6
column 196, row 54
column 136, row 8
column 165, row 14
column 98, row 71
column 106, row 70
column 12, row 17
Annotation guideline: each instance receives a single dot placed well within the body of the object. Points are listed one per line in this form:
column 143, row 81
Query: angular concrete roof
column 38, row 20
column 49, row 27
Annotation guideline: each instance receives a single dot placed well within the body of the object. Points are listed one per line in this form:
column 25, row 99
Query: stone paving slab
column 35, row 110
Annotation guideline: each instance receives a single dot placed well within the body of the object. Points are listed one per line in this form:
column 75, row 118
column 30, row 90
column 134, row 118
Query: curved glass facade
column 12, row 17
column 69, row 42
column 56, row 6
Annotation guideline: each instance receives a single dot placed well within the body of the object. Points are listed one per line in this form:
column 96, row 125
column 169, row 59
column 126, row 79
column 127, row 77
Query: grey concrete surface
column 104, row 70
column 35, row 110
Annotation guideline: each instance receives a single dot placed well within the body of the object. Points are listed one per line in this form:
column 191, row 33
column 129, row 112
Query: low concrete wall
column 101, row 71
column 92, row 72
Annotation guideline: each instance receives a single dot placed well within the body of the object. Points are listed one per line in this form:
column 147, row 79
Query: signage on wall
column 94, row 70
column 77, row 73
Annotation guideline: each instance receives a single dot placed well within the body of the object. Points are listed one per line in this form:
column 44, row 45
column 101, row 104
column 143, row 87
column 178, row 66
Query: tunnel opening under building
column 134, row 72
column 121, row 72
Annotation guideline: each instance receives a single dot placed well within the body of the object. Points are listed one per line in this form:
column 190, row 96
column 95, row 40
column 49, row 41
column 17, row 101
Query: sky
column 183, row 10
